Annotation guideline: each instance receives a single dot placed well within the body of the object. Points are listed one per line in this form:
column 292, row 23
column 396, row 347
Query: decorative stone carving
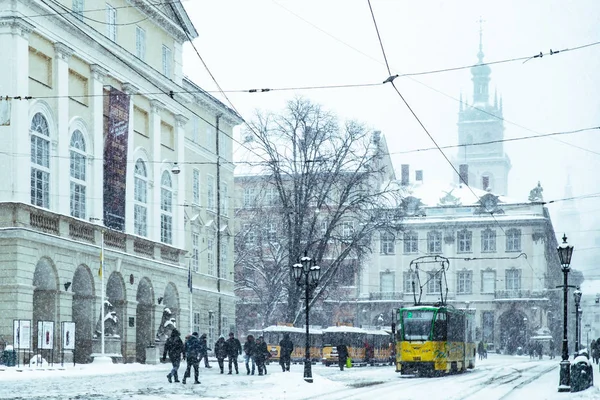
column 130, row 89
column 412, row 207
column 167, row 324
column 110, row 322
column 488, row 204
column 181, row 120
column 16, row 26
column 449, row 199
column 156, row 106
column 98, row 72
column 535, row 194
column 63, row 52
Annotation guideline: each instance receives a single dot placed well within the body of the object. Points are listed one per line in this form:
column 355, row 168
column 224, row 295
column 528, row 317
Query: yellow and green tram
column 434, row 340
column 274, row 334
column 365, row 346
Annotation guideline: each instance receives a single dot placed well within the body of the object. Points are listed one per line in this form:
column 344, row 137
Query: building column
column 131, row 90
column 14, row 40
column 180, row 187
column 154, row 192
column 98, row 74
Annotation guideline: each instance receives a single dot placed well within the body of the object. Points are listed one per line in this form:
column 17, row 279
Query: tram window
column 417, row 325
column 440, row 327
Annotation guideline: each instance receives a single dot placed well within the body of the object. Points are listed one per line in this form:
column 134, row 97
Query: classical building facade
column 110, row 152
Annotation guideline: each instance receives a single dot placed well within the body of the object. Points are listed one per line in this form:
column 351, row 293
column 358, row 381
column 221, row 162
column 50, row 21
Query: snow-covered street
column 498, row 377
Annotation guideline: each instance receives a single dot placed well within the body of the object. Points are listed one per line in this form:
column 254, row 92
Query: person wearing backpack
column 192, row 352
column 174, row 348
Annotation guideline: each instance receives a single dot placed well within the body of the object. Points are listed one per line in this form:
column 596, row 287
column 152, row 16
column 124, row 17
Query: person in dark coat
column 342, row 351
column 174, row 348
column 204, row 350
column 551, row 348
column 192, row 352
column 286, row 347
column 234, row 349
column 249, row 353
column 480, row 349
column 221, row 351
column 260, row 355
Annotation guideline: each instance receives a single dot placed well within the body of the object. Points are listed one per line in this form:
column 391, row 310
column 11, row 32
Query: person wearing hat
column 234, row 349
column 204, row 350
column 221, row 351
column 174, row 348
column 261, row 353
column 249, row 350
column 192, row 351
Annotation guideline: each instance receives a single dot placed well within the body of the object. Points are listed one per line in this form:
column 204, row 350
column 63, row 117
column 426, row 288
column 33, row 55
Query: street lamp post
column 564, row 254
column 526, row 339
column 577, row 297
column 307, row 275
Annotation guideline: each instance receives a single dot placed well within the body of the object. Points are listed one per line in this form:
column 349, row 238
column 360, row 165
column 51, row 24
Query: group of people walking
column 256, row 353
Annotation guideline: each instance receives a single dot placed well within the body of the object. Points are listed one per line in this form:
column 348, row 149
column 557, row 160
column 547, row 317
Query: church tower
column 481, row 121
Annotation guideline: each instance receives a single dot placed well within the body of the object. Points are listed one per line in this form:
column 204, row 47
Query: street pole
column 307, row 362
column 564, row 254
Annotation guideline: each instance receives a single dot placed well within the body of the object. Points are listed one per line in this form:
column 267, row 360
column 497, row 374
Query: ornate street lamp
column 577, row 297
column 564, row 254
column 307, row 275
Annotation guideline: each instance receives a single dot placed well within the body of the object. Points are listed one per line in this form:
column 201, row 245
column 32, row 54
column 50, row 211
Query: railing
column 44, row 221
column 115, row 239
column 169, row 254
column 385, row 296
column 517, row 294
column 144, row 247
column 81, row 231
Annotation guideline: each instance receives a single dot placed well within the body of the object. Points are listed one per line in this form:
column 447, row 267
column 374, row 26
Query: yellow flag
column 101, row 265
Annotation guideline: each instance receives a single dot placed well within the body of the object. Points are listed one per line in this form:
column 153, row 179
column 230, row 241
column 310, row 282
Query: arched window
column 166, row 209
column 40, row 161
column 78, row 184
column 140, row 195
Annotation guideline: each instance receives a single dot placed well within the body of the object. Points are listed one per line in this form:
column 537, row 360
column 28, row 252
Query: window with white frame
column 140, row 43
column 224, row 199
column 250, row 234
column 434, row 242
column 211, row 327
column 512, row 278
column 464, row 282
column 40, row 161
column 167, row 59
column 323, row 225
column 77, row 167
column 210, row 139
column 140, row 199
column 249, row 197
column 387, row 282
column 271, row 196
column 223, row 265
column 195, row 129
column 77, row 7
column 408, row 278
column 210, row 192
column 224, row 325
column 195, row 251
column 111, row 22
column 210, row 253
column 387, row 243
column 347, row 229
column 196, row 322
column 488, row 241
column 434, row 284
column 166, row 208
column 411, row 242
column 465, row 241
column 488, row 281
column 272, row 232
column 196, row 186
column 513, row 240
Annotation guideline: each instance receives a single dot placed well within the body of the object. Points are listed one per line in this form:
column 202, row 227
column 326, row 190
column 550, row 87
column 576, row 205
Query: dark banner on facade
column 115, row 158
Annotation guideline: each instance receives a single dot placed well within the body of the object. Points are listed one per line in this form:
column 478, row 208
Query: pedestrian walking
column 221, row 351
column 342, row 351
column 249, row 353
column 192, row 352
column 204, row 350
column 551, row 348
column 175, row 349
column 234, row 349
column 480, row 349
column 285, row 352
column 260, row 355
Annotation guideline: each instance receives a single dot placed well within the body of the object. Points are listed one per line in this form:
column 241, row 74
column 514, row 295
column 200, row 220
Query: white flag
column 4, row 112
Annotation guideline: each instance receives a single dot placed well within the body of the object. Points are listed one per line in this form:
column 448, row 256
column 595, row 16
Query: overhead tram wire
column 153, row 83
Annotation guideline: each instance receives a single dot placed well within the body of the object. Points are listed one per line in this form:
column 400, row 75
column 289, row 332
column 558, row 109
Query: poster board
column 45, row 335
column 68, row 335
column 22, row 334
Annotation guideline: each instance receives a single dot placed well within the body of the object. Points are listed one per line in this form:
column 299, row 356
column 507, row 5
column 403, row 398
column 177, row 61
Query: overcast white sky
column 292, row 43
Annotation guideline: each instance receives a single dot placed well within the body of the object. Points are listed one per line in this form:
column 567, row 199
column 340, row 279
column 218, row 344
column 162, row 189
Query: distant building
column 105, row 134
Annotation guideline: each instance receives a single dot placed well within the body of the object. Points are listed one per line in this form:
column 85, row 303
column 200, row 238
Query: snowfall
column 497, row 377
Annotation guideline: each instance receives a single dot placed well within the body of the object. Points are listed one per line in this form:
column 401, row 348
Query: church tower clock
column 481, row 122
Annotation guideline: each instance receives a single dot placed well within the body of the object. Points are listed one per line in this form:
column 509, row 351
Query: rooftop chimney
column 419, row 175
column 463, row 171
column 404, row 180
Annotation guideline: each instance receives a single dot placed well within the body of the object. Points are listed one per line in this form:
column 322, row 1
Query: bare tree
column 327, row 186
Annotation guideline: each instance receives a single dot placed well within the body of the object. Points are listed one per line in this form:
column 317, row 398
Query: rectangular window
column 434, row 284
column 465, row 239
column 387, row 243
column 224, row 325
column 140, row 220
column 464, row 282
column 140, row 43
column 196, row 187
column 210, row 192
column 166, row 61
column 387, row 282
column 78, row 9
column 488, row 281
column 411, row 243
column 40, row 188
column 223, row 265
column 513, row 240
column 77, row 200
column 347, row 229
column 210, row 248
column 196, row 324
column 272, row 232
column 211, row 327
column 409, row 277
column 249, row 197
column 250, row 235
column 513, row 279
column 485, row 182
column 434, row 242
column 488, row 241
column 166, row 229
column 271, row 196
column 195, row 252
column 111, row 22
column 224, row 199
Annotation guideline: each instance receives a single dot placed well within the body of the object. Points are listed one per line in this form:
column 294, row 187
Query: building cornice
column 173, row 27
column 16, row 26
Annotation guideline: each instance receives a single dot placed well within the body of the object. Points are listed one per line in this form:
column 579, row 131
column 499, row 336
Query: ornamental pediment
column 489, row 204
